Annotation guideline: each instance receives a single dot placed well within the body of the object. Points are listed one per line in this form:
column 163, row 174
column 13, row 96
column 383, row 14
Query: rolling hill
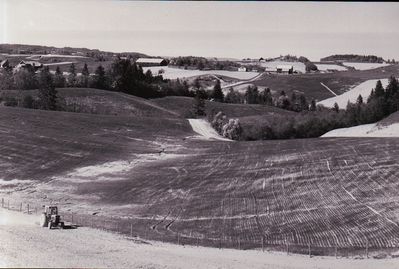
column 310, row 84
column 95, row 101
column 146, row 175
column 388, row 127
column 183, row 105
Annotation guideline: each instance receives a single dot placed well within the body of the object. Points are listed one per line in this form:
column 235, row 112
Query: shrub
column 28, row 102
column 10, row 101
column 232, row 129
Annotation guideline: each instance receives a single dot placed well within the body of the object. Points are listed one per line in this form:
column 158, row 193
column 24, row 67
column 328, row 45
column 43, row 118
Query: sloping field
column 37, row 145
column 325, row 67
column 365, row 66
column 323, row 192
column 388, row 127
column 298, row 66
column 366, row 130
column 183, row 105
column 95, row 101
column 338, row 82
column 351, row 96
column 174, row 73
column 24, row 244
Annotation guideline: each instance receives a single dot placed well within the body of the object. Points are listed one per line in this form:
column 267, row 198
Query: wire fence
column 146, row 229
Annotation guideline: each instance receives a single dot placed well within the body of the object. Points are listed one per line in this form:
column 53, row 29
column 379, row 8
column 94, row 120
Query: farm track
column 324, row 192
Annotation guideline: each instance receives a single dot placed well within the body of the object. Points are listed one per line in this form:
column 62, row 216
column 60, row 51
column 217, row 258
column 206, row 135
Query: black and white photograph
column 199, row 134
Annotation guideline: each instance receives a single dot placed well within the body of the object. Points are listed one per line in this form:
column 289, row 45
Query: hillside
column 363, row 89
column 62, row 57
column 23, row 49
column 25, row 244
column 183, row 105
column 388, row 127
column 353, row 58
column 45, row 144
column 165, row 184
column 310, row 84
column 95, row 101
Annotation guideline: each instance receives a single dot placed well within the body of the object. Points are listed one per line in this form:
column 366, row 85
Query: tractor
column 50, row 218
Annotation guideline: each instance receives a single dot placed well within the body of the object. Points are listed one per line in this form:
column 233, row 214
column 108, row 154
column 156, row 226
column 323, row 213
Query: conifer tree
column 217, row 93
column 47, row 93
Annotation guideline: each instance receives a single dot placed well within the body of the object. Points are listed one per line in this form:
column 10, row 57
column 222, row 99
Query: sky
column 211, row 29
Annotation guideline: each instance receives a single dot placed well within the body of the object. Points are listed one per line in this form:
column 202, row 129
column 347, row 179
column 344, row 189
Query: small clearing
column 205, row 130
column 363, row 88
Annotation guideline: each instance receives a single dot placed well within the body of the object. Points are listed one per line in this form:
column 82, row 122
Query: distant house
column 242, row 69
column 288, row 69
column 151, row 62
column 28, row 64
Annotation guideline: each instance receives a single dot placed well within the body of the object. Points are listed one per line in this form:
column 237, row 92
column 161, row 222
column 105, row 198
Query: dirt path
column 203, row 128
column 325, row 86
column 242, row 81
column 25, row 244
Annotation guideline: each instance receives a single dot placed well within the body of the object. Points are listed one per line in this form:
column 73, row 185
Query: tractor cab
column 50, row 218
column 51, row 210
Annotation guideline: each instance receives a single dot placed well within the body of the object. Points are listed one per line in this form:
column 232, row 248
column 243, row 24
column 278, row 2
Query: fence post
column 72, row 218
column 178, row 238
column 367, row 249
column 288, row 248
column 310, row 253
column 28, row 209
column 2, row 202
column 263, row 244
column 20, row 207
column 336, row 250
column 197, row 241
column 220, row 242
column 239, row 243
column 8, row 204
column 131, row 229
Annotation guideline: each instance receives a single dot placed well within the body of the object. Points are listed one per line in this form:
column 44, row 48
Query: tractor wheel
column 43, row 220
column 50, row 225
column 62, row 225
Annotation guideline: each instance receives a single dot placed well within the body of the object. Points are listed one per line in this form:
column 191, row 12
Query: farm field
column 183, row 105
column 299, row 67
column 324, row 192
column 174, row 73
column 351, row 95
column 95, row 101
column 365, row 66
column 54, row 61
column 388, row 127
column 310, row 84
column 326, row 67
column 25, row 244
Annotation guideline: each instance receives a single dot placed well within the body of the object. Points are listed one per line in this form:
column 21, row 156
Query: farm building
column 28, row 64
column 289, row 69
column 242, row 69
column 151, row 62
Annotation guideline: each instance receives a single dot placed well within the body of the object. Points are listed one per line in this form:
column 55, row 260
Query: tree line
column 314, row 120
column 122, row 76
